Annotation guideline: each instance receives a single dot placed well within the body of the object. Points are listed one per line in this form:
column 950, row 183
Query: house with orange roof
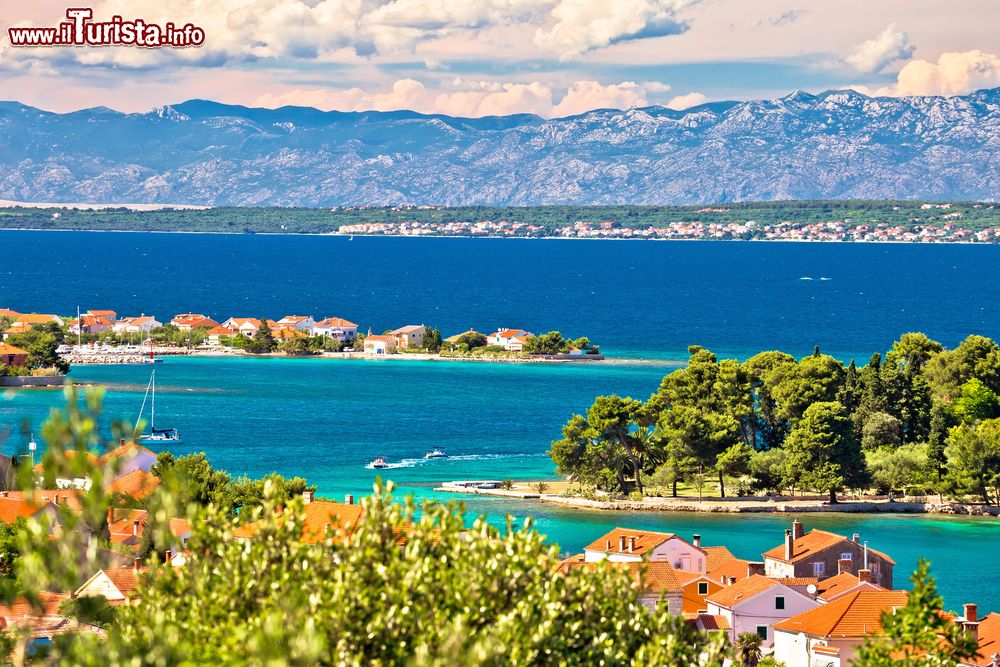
column 246, row 326
column 127, row 457
column 12, row 356
column 142, row 324
column 509, row 339
column 33, row 319
column 657, row 582
column 322, row 519
column 303, row 323
column 66, row 482
column 16, row 506
column 117, row 585
column 380, row 345
column 822, row 554
column 845, row 582
column 987, row 632
column 90, row 324
column 631, row 545
column 136, row 484
column 191, row 321
column 756, row 604
column 695, row 588
column 337, row 328
column 7, row 312
column 216, row 334
column 830, row 634
column 125, row 527
column 109, row 315
column 17, row 328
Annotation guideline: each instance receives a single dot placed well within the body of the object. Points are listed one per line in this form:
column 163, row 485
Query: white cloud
column 687, row 101
column 586, row 95
column 952, row 74
column 889, row 46
column 473, row 98
column 581, row 26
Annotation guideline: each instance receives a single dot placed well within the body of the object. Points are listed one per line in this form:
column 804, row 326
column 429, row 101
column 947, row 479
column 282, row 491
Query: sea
column 643, row 302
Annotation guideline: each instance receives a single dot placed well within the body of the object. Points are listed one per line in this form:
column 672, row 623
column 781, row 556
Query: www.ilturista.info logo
column 81, row 30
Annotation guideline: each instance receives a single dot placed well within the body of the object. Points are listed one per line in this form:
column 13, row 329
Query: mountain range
column 838, row 144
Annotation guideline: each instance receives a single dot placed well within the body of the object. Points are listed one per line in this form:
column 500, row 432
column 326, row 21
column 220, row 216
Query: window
column 846, row 556
column 779, row 602
column 819, row 569
column 702, row 588
column 762, row 632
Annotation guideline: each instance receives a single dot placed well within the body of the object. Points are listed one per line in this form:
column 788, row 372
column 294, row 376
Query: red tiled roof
column 69, row 453
column 834, row 587
column 856, row 614
column 21, row 607
column 10, row 349
column 220, row 331
column 136, row 484
column 989, row 640
column 125, row 579
column 179, row 527
column 652, row 577
column 320, row 516
column 132, row 448
column 741, row 591
column 713, row 622
column 36, row 318
column 813, row 542
column 12, row 509
column 644, row 541
column 336, row 322
column 7, row 312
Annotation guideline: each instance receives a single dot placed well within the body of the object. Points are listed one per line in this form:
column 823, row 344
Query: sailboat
column 155, row 434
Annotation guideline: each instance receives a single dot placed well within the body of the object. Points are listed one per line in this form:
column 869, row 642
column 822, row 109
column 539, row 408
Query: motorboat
column 436, row 454
column 379, row 463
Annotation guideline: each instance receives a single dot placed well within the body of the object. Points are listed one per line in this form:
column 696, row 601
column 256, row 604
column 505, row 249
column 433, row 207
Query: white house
column 246, row 326
column 117, row 585
column 380, row 345
column 830, row 634
column 756, row 604
column 302, row 323
column 509, row 339
column 634, row 546
column 142, row 324
column 337, row 328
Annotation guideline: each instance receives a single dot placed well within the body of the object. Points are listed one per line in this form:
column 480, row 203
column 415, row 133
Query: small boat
column 378, row 463
column 436, row 454
column 155, row 435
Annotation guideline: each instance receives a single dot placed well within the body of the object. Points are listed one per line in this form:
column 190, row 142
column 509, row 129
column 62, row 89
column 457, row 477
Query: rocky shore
column 105, row 359
column 741, row 505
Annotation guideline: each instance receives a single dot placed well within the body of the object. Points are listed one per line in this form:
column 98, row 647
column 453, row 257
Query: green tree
column 975, row 357
column 694, row 439
column 973, row 455
column 432, row 339
column 262, row 341
column 918, row 634
column 472, row 339
column 880, row 430
column 748, row 648
column 41, row 343
column 899, row 468
column 763, row 371
column 734, row 462
column 9, row 547
column 913, row 350
column 549, row 343
column 976, row 402
column 822, row 451
column 815, row 379
column 769, row 469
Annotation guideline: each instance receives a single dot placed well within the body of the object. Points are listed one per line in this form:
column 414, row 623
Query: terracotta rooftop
column 989, row 639
column 856, row 614
column 123, row 450
column 136, row 484
column 125, row 579
column 10, row 349
column 713, row 622
column 644, row 541
column 320, row 516
column 336, row 322
column 836, row 586
column 812, row 543
column 741, row 591
column 21, row 607
column 12, row 509
column 36, row 318
column 654, row 577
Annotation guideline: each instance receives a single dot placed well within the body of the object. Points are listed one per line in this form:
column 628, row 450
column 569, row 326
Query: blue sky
column 483, row 57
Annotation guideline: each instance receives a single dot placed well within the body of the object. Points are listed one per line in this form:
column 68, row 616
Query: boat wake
column 415, row 462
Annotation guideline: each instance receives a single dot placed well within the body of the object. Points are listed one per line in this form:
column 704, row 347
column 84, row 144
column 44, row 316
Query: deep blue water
column 325, row 419
column 634, row 297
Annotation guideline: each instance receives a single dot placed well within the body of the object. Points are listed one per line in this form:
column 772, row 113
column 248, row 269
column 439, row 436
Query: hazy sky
column 483, row 57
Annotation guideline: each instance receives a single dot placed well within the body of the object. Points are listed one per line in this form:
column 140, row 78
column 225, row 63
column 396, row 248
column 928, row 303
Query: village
column 101, row 336
column 814, row 598
column 935, row 229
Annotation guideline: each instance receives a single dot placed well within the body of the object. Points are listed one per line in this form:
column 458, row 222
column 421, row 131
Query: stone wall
column 31, row 381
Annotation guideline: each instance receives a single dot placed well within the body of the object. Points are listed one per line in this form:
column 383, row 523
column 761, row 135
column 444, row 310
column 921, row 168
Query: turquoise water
column 325, row 419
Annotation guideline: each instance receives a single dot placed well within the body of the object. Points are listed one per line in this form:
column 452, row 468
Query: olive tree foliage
column 408, row 585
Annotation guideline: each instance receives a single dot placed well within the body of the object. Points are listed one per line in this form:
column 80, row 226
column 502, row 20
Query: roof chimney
column 307, row 496
column 621, row 543
column 798, row 530
column 844, row 565
column 789, row 544
column 607, row 545
column 972, row 630
column 168, row 556
column 631, row 543
column 135, row 527
column 135, row 563
column 696, row 540
column 732, row 580
column 349, row 499
column 865, row 575
column 971, row 612
column 856, row 538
